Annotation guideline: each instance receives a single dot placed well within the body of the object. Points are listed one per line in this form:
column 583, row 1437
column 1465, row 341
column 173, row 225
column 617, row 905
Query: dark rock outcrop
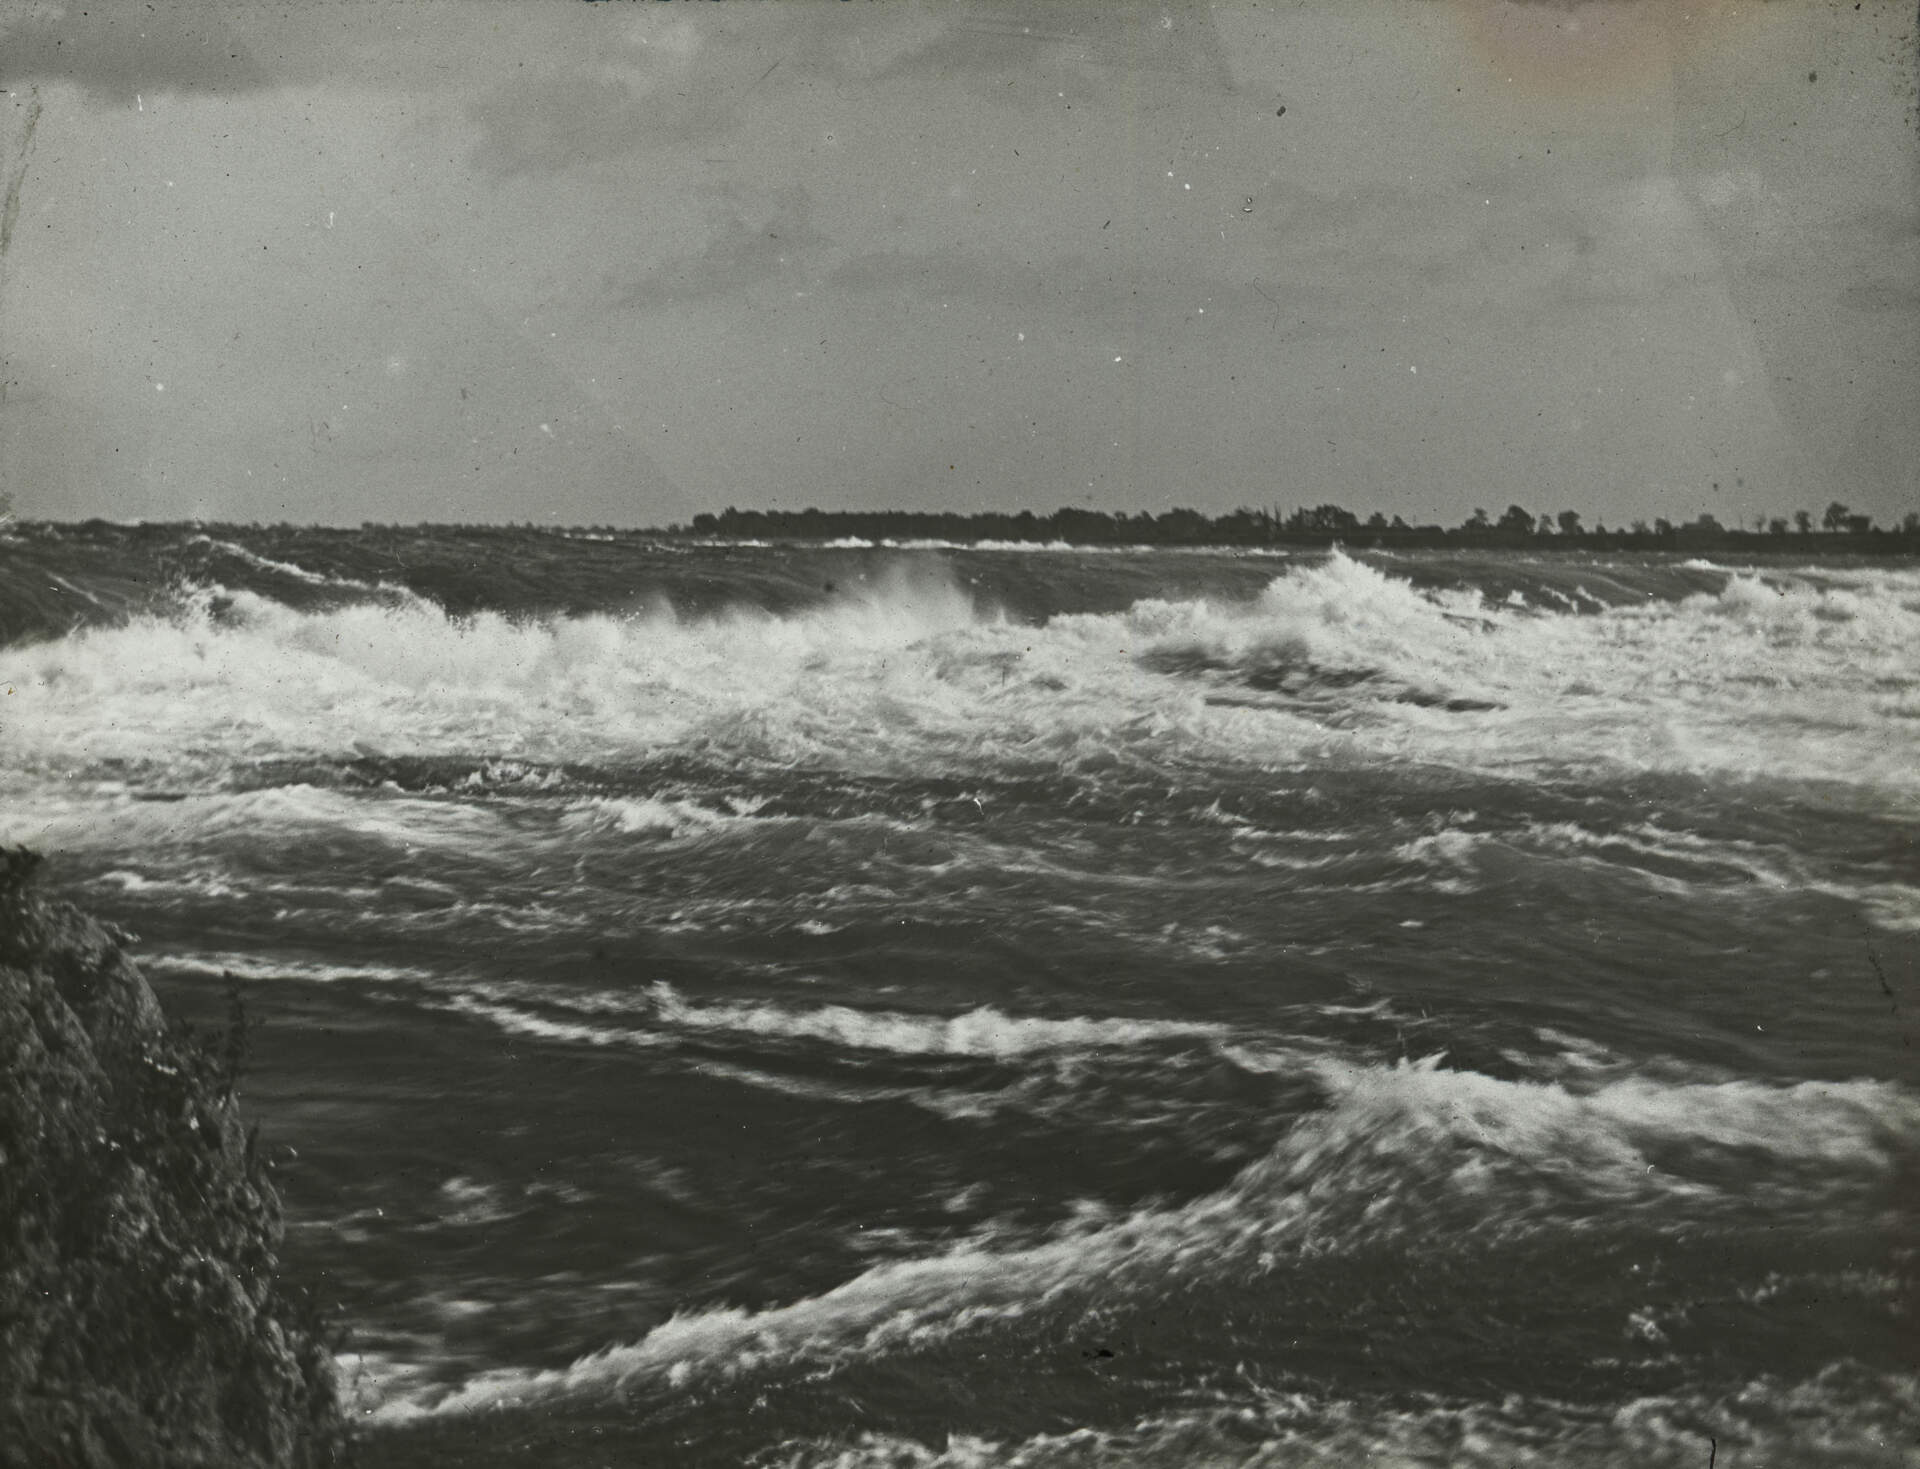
column 141, row 1321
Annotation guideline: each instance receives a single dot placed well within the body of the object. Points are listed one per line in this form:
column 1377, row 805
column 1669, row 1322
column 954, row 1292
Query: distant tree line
column 1839, row 529
column 1316, row 525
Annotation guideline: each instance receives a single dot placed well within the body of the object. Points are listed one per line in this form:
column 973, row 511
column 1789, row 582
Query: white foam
column 1603, row 1133
column 1784, row 678
column 1744, row 869
column 284, row 568
column 517, row 1021
column 464, row 1202
column 74, row 816
column 985, row 1031
column 644, row 816
column 1846, row 1418
column 257, row 967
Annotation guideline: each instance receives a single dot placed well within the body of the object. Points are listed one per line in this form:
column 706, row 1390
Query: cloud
column 643, row 85
column 1886, row 229
column 1087, row 35
column 556, row 119
column 1883, row 298
column 753, row 239
column 113, row 55
column 1120, row 297
column 664, row 35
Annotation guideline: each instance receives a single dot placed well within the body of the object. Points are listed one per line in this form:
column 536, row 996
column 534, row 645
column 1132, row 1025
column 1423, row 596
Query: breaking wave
column 1411, row 1155
column 1336, row 660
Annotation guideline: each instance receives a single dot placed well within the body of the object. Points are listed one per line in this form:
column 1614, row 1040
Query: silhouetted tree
column 1084, row 525
column 1182, row 525
column 1323, row 520
column 1802, row 522
column 1836, row 517
column 1242, row 527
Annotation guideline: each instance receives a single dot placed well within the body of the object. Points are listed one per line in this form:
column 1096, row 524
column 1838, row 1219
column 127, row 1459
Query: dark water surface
column 881, row 1006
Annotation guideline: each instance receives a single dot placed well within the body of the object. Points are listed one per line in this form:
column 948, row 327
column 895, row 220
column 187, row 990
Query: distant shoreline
column 1075, row 530
column 1320, row 527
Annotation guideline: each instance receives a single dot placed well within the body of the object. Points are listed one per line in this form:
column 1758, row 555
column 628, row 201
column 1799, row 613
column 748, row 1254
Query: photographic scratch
column 1271, row 302
column 17, row 175
column 1881, row 975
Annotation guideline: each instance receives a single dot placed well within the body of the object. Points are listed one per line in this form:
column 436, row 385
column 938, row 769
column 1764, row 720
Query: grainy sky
column 624, row 261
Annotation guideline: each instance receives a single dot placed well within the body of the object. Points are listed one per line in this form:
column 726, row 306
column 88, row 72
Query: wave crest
column 1413, row 1154
column 912, row 670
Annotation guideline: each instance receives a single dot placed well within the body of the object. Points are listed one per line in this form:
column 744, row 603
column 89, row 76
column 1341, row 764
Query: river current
column 906, row 1006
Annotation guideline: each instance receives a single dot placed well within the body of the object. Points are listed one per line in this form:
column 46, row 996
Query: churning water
column 879, row 1006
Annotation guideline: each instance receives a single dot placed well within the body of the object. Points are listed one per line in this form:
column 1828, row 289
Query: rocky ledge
column 141, row 1318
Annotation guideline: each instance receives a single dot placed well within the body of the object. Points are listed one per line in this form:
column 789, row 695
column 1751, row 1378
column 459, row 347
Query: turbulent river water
column 867, row 1005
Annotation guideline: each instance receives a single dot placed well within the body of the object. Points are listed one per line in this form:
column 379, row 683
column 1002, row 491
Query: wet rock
column 142, row 1321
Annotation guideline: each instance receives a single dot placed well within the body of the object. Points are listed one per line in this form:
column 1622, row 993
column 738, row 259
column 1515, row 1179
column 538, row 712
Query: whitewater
column 937, row 1005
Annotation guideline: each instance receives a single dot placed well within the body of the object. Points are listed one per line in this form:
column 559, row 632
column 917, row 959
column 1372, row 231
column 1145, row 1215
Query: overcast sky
column 624, row 261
